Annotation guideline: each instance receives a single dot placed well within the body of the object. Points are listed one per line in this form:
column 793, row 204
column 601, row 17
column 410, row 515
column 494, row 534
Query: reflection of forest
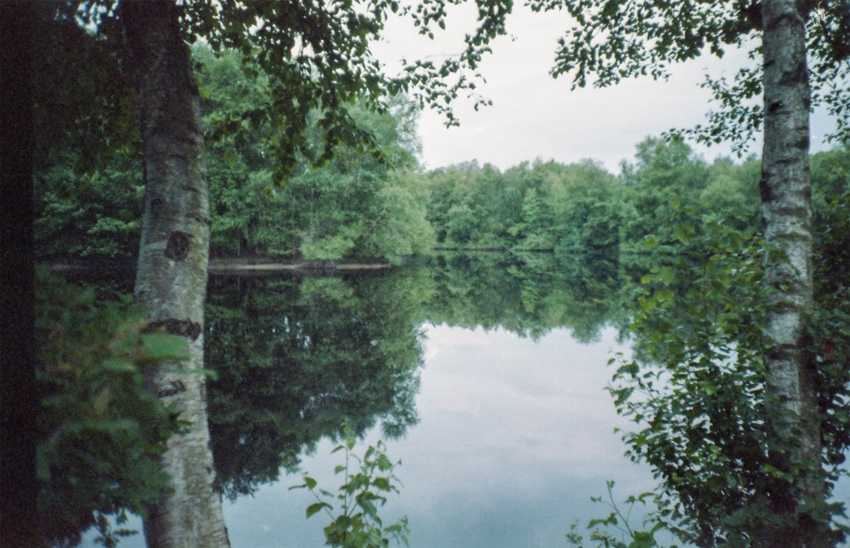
column 297, row 357
column 527, row 293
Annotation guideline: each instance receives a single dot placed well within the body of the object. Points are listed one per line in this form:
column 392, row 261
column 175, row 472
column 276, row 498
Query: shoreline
column 228, row 266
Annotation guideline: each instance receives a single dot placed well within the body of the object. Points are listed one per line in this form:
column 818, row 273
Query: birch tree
column 171, row 276
column 787, row 213
column 801, row 41
column 318, row 59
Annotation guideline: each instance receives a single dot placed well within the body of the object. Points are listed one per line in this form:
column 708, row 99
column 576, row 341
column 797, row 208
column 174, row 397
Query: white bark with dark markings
column 787, row 212
column 172, row 269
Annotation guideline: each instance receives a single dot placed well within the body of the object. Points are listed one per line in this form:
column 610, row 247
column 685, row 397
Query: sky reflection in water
column 515, row 436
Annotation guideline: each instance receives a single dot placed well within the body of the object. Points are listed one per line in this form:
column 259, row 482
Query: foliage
column 702, row 406
column 94, row 216
column 665, row 174
column 696, row 385
column 831, row 318
column 365, row 490
column 93, row 112
column 586, row 209
column 581, row 208
column 352, row 207
column 317, row 57
column 320, row 63
column 101, row 430
column 619, row 520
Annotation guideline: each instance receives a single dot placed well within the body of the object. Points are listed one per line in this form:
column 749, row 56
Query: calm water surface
column 515, row 436
column 503, row 363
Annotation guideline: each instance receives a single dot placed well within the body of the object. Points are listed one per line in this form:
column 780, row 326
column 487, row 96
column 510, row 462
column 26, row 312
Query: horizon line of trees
column 360, row 207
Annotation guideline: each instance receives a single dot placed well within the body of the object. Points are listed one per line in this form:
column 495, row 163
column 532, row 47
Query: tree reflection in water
column 298, row 358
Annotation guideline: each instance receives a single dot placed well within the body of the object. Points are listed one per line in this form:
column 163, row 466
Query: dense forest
column 358, row 207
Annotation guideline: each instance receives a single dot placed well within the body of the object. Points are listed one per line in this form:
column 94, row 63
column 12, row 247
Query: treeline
column 359, row 206
column 583, row 207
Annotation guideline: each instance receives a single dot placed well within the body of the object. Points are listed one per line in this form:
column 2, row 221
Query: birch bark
column 171, row 275
column 787, row 213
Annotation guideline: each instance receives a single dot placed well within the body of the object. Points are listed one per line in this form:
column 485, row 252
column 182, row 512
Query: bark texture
column 172, row 269
column 787, row 212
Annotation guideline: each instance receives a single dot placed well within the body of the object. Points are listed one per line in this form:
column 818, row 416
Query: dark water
column 485, row 375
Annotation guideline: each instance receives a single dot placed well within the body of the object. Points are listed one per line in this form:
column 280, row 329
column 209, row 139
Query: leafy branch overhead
column 617, row 39
column 319, row 60
column 317, row 56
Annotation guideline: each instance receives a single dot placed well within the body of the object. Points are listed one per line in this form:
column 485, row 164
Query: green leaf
column 664, row 295
column 368, row 507
column 642, row 540
column 682, row 234
column 317, row 507
column 709, row 388
column 648, row 304
column 667, row 274
column 384, row 463
column 118, row 365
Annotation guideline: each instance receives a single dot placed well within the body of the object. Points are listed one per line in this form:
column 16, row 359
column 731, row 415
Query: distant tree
column 732, row 194
column 586, row 208
column 664, row 176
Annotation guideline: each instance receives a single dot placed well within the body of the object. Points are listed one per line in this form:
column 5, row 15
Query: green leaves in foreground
column 695, row 390
column 101, row 432
column 357, row 523
column 618, row 524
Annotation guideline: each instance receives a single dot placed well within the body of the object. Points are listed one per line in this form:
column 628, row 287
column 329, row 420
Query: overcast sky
column 536, row 116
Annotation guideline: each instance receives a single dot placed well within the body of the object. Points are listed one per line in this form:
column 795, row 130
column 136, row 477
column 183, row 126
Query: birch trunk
column 172, row 270
column 787, row 212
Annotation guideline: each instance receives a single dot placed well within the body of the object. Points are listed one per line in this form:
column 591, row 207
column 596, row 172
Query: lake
column 514, row 438
column 485, row 375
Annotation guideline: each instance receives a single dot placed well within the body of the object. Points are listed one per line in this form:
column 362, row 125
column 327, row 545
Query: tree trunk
column 787, row 212
column 172, row 269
